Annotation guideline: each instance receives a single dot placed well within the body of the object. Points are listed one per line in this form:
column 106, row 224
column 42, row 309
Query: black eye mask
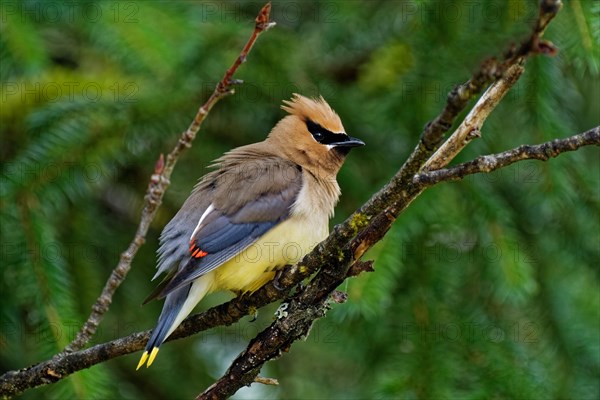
column 324, row 136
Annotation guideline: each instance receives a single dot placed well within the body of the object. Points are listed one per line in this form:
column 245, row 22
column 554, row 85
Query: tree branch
column 492, row 162
column 159, row 182
column 510, row 70
column 470, row 127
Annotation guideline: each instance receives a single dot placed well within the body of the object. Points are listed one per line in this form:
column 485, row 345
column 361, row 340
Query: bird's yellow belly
column 285, row 244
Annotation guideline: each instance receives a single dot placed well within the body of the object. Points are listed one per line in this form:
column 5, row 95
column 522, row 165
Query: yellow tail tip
column 150, row 357
column 142, row 360
column 153, row 354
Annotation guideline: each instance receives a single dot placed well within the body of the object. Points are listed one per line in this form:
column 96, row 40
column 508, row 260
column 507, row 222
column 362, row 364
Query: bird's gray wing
column 241, row 212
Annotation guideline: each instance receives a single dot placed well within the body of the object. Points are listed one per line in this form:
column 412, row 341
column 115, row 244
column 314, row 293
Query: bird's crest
column 316, row 110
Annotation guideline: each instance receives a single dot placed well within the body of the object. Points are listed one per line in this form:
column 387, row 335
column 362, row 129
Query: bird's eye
column 315, row 130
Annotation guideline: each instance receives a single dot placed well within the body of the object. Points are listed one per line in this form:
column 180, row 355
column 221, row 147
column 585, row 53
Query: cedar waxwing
column 264, row 206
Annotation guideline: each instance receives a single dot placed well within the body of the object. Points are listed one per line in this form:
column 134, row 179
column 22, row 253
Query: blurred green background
column 486, row 288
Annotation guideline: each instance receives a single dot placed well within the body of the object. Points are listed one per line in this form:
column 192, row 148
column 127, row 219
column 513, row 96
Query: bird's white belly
column 285, row 244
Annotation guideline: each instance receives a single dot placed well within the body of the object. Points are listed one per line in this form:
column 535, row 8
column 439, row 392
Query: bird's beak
column 348, row 142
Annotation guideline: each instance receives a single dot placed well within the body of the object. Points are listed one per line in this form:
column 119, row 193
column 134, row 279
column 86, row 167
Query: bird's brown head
column 312, row 135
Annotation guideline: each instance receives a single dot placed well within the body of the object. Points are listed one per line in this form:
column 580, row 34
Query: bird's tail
column 178, row 305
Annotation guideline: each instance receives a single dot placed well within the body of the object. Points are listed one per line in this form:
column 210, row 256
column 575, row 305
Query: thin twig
column 492, row 162
column 266, row 381
column 470, row 127
column 510, row 70
column 159, row 182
